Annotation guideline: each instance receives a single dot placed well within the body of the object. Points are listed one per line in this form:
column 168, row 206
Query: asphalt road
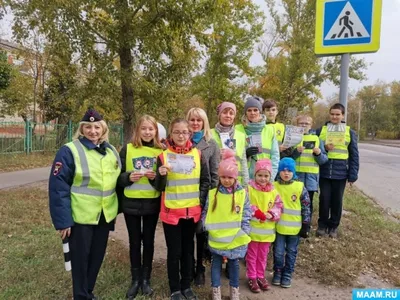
column 379, row 175
column 12, row 179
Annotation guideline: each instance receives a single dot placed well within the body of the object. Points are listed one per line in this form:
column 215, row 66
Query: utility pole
column 359, row 118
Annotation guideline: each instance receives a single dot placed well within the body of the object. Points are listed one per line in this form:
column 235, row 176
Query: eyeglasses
column 181, row 133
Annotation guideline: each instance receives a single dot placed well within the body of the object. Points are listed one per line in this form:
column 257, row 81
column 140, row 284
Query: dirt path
column 302, row 288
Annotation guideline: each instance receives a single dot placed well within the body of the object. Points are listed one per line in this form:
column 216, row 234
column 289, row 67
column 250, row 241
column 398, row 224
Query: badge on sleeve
column 57, row 168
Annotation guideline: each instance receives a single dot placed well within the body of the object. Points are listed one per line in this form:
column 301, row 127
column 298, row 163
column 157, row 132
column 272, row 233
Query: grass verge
column 368, row 243
column 31, row 258
column 21, row 161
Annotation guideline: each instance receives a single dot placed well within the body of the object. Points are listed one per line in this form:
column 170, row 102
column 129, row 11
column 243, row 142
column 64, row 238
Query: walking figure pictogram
column 347, row 24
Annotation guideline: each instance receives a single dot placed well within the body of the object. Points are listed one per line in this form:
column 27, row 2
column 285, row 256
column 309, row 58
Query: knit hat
column 253, row 102
column 91, row 116
column 228, row 165
column 263, row 164
column 289, row 164
column 223, row 105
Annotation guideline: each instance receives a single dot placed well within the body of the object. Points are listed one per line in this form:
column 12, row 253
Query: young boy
column 309, row 155
column 294, row 222
column 270, row 110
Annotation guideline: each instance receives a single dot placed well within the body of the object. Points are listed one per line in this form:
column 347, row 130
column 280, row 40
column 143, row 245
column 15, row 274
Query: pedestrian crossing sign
column 347, row 26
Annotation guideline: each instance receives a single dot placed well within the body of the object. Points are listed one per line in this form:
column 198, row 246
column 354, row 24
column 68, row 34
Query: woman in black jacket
column 140, row 201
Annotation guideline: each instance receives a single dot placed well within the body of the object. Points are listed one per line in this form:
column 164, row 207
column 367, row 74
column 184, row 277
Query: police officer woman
column 83, row 201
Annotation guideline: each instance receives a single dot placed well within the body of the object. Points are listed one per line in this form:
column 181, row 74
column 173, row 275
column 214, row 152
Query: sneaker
column 263, row 284
column 286, row 281
column 276, row 279
column 253, row 286
column 333, row 233
column 321, row 232
column 200, row 279
column 177, row 296
column 188, row 294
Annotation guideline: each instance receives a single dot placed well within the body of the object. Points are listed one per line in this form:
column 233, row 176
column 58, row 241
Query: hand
column 329, row 147
column 251, row 151
column 316, row 151
column 300, row 149
column 350, row 184
column 282, row 148
column 135, row 176
column 163, row 170
column 304, row 231
column 268, row 216
column 65, row 232
column 260, row 215
column 150, row 175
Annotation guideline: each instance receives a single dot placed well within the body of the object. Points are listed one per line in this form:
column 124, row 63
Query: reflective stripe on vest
column 279, row 130
column 93, row 187
column 262, row 231
column 142, row 188
column 223, row 225
column 183, row 190
column 306, row 162
column 340, row 151
column 240, row 138
column 291, row 220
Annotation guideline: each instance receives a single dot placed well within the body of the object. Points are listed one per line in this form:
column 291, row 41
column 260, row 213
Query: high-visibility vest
column 183, row 190
column 279, row 129
column 262, row 231
column 306, row 162
column 224, row 226
column 141, row 188
column 240, row 138
column 290, row 221
column 267, row 135
column 93, row 187
column 340, row 151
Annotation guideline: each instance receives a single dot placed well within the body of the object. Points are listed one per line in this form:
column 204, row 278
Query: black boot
column 134, row 289
column 146, row 288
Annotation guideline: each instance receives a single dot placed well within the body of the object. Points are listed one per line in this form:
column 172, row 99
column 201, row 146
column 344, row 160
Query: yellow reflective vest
column 224, row 226
column 306, row 162
column 340, row 151
column 279, row 129
column 183, row 190
column 93, row 187
column 267, row 135
column 240, row 139
column 262, row 231
column 141, row 188
column 290, row 221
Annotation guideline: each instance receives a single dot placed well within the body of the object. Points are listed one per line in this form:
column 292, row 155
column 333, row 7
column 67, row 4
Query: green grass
column 15, row 162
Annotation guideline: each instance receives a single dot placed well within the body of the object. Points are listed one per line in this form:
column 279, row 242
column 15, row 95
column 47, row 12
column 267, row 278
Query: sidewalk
column 18, row 178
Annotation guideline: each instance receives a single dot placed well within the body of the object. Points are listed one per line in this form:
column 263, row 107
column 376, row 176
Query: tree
column 145, row 36
column 292, row 73
column 5, row 71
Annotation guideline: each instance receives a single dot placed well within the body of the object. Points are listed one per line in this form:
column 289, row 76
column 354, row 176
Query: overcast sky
column 385, row 64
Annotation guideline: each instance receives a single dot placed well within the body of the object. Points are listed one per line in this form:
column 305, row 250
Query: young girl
column 342, row 166
column 141, row 201
column 266, row 205
column 226, row 217
column 183, row 178
column 294, row 222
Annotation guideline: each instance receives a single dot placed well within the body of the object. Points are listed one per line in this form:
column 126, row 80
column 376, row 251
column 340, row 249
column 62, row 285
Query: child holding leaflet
column 226, row 217
column 266, row 205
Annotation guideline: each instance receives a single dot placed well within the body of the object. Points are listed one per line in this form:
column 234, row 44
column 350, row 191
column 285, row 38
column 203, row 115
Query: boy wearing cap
column 293, row 224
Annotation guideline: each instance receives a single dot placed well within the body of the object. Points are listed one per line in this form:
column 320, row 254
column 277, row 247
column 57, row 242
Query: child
column 342, row 166
column 309, row 155
column 266, row 205
column 226, row 217
column 270, row 110
column 183, row 178
column 140, row 200
column 294, row 221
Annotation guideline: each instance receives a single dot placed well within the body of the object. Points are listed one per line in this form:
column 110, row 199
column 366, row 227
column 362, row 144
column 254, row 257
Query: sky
column 384, row 64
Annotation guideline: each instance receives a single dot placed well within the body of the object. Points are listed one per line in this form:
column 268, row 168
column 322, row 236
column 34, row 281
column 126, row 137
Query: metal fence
column 28, row 137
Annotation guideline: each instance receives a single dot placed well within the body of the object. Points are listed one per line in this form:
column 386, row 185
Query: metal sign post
column 344, row 81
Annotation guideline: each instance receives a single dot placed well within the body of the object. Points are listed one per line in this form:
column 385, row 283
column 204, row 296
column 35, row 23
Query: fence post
column 121, row 135
column 69, row 131
column 28, row 137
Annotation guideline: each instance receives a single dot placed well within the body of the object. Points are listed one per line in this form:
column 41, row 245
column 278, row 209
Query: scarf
column 148, row 144
column 179, row 149
column 267, row 188
column 197, row 136
column 255, row 127
column 225, row 129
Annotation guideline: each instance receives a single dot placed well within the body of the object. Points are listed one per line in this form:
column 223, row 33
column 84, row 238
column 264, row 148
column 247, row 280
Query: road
column 12, row 179
column 379, row 175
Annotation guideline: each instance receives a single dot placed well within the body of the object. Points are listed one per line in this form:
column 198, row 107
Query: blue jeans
column 233, row 268
column 288, row 243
